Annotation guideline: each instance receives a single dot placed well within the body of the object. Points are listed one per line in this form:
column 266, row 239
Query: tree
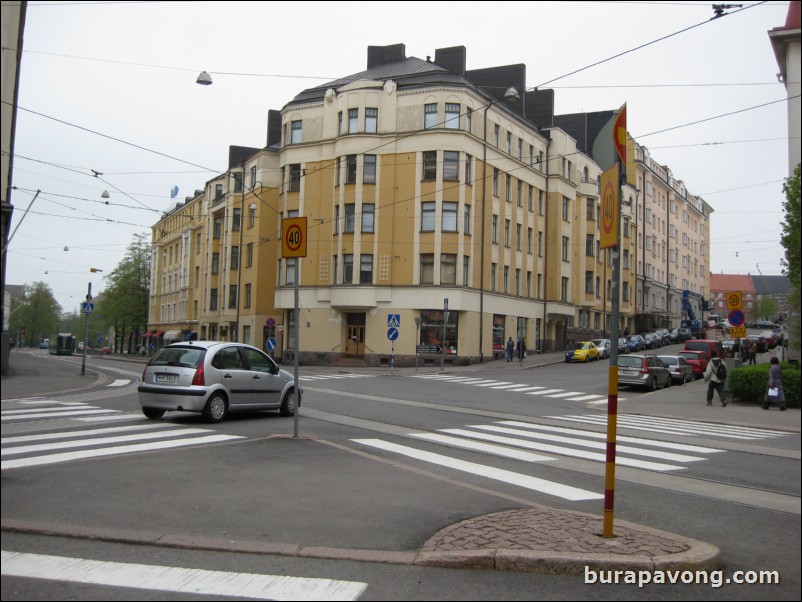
column 125, row 305
column 38, row 315
column 766, row 308
column 791, row 240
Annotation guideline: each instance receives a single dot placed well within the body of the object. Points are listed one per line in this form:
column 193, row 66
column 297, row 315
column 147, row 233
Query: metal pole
column 86, row 330
column 297, row 349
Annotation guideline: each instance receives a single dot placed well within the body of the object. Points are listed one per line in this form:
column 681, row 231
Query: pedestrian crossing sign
column 393, row 320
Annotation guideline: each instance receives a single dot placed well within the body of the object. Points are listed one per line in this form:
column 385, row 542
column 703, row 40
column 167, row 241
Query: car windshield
column 689, row 356
column 630, row 361
column 187, row 357
column 667, row 359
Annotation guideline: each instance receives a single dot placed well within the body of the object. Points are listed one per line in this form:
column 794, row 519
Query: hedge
column 749, row 383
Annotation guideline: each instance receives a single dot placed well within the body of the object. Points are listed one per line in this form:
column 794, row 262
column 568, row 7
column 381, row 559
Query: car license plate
column 166, row 378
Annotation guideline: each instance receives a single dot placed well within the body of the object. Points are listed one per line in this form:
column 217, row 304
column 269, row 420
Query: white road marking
column 120, row 382
column 50, row 414
column 199, row 582
column 490, row 472
column 496, row 450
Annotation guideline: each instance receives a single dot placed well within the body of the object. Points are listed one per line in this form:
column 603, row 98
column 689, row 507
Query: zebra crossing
column 534, row 443
column 338, row 376
column 78, row 442
column 512, row 387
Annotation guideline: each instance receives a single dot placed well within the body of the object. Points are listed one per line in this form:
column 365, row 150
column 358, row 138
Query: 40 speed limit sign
column 293, row 237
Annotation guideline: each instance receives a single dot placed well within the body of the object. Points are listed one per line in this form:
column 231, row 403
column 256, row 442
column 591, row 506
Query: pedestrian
column 752, row 353
column 510, row 349
column 715, row 375
column 521, row 349
column 745, row 345
column 775, row 391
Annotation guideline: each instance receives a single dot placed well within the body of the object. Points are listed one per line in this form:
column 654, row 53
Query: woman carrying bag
column 775, row 390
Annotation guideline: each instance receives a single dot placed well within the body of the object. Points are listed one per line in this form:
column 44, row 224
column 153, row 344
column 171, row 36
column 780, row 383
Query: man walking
column 715, row 375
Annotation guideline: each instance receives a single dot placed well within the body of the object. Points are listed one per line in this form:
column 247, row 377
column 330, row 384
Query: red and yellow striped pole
column 609, row 470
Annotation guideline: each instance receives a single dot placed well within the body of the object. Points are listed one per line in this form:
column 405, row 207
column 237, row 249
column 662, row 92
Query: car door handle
column 227, row 376
column 256, row 377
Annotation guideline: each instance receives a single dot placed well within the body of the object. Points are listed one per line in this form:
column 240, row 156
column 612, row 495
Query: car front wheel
column 215, row 409
column 288, row 405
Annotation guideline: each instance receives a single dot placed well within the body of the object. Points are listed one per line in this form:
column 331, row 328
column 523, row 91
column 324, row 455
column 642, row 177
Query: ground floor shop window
column 498, row 332
column 431, row 329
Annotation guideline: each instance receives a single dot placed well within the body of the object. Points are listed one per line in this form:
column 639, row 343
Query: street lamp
column 511, row 93
column 204, row 79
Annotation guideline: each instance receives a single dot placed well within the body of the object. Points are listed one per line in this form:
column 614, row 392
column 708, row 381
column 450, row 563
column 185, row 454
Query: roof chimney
column 378, row 55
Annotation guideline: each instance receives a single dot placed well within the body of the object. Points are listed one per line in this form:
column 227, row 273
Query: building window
column 540, row 202
column 197, row 276
column 520, row 196
column 518, row 237
column 466, row 272
column 540, row 244
column 450, row 165
column 468, row 120
column 452, row 116
column 496, row 134
column 509, row 143
column 238, row 182
column 506, row 282
column 493, row 267
column 366, row 269
column 589, row 283
column 625, row 291
column 369, row 169
column 429, row 116
column 591, row 209
column 336, row 221
column 466, row 226
column 589, row 245
column 350, row 169
column 371, row 120
column 427, row 268
column 530, row 242
column 626, row 227
column 232, row 296
column 295, row 177
column 249, row 254
column 564, row 290
column 494, row 230
column 236, row 220
column 353, row 121
column 218, row 192
column 495, row 181
column 289, row 277
column 427, row 222
column 429, row 165
column 218, row 223
column 448, row 268
column 340, row 123
column 368, row 215
column 251, row 216
column 213, row 299
column 565, row 249
column 235, row 257
column 468, row 170
column 507, row 188
column 431, row 330
column 295, row 136
column 215, row 263
column 449, row 217
column 350, row 217
column 566, row 209
column 520, row 149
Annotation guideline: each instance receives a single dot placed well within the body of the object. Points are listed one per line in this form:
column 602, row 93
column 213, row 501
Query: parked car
column 680, row 335
column 706, row 345
column 214, row 378
column 771, row 340
column 584, row 352
column 664, row 334
column 698, row 361
column 623, row 345
column 652, row 340
column 681, row 370
column 635, row 342
column 646, row 371
column 765, row 325
column 105, row 351
column 603, row 345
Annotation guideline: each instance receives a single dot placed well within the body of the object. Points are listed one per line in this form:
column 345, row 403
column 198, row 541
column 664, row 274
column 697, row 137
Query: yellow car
column 584, row 352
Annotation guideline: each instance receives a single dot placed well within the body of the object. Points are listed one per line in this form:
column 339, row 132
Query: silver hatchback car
column 214, row 378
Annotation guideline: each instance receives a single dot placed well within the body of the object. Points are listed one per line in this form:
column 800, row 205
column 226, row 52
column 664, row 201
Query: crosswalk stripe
column 490, row 472
column 496, row 450
column 113, row 417
column 562, row 451
column 589, row 397
column 198, row 582
column 110, row 451
column 546, row 392
column 41, row 447
column 704, row 426
column 84, row 433
column 601, row 445
column 593, row 434
column 49, row 414
column 52, row 409
column 565, row 394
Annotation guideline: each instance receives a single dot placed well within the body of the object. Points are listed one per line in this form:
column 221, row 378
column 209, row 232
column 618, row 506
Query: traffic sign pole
column 86, row 330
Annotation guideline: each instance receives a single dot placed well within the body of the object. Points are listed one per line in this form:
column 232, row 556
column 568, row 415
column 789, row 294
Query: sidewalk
column 535, row 538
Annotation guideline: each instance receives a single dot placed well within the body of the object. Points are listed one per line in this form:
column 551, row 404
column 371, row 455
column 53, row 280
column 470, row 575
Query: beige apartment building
column 430, row 192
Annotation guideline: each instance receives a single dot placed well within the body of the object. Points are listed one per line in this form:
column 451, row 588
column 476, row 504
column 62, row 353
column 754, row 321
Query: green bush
column 749, row 383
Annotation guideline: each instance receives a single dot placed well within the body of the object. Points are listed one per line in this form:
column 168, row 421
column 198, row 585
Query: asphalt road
column 730, row 478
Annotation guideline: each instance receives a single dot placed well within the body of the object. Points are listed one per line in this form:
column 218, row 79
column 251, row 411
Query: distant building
column 786, row 41
column 752, row 288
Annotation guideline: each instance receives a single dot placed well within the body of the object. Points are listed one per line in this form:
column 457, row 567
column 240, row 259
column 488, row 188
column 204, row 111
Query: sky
column 109, row 87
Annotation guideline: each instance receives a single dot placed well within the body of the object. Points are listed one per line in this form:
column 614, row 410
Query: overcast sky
column 127, row 70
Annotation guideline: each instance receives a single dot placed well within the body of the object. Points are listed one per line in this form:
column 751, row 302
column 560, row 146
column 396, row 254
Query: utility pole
column 86, row 328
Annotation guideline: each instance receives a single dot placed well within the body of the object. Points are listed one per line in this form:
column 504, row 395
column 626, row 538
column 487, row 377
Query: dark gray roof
column 408, row 72
column 770, row 285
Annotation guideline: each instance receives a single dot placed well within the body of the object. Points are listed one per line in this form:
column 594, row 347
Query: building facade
column 446, row 203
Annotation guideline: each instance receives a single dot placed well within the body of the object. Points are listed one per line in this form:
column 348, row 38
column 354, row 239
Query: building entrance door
column 355, row 335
